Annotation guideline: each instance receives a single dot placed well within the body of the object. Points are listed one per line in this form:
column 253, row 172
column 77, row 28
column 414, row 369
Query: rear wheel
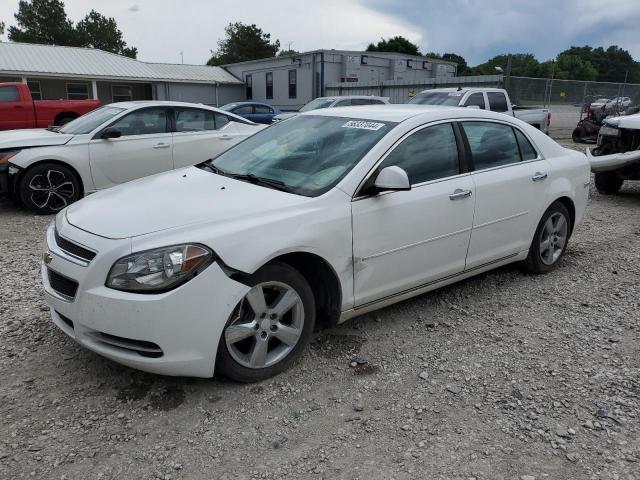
column 608, row 183
column 550, row 240
column 48, row 187
column 270, row 327
column 578, row 135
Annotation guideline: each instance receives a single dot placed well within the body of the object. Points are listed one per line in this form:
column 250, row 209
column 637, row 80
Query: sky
column 475, row 29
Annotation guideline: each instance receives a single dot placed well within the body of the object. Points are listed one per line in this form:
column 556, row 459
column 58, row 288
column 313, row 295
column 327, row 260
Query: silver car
column 330, row 102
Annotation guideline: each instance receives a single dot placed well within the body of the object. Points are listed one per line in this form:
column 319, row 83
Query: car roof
column 463, row 89
column 237, row 104
column 165, row 103
column 342, row 97
column 401, row 112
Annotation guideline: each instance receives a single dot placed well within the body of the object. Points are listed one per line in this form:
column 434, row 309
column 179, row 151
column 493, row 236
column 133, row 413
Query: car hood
column 174, row 199
column 625, row 121
column 32, row 137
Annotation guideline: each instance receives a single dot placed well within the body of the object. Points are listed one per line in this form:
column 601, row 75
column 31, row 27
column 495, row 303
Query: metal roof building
column 54, row 72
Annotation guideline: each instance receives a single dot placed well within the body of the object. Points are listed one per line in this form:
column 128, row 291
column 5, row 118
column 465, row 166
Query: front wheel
column 48, row 187
column 269, row 328
column 550, row 240
column 608, row 183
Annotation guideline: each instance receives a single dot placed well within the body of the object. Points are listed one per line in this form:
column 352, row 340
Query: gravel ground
column 503, row 376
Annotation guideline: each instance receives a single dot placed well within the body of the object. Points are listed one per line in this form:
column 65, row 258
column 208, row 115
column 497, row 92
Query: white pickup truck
column 494, row 99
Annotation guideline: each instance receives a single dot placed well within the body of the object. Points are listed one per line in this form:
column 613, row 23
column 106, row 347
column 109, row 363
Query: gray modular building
column 54, row 72
column 288, row 82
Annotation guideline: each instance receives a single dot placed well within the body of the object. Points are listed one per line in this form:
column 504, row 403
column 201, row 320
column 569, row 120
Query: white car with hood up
column 48, row 169
column 227, row 266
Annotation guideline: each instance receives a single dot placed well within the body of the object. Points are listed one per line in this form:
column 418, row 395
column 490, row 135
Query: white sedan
column 227, row 266
column 50, row 169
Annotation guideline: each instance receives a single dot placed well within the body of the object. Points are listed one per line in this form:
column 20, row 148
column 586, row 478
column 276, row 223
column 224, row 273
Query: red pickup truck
column 19, row 110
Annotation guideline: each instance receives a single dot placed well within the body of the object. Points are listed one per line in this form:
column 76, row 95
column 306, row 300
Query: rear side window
column 491, row 144
column 193, row 120
column 221, row 120
column 376, row 102
column 9, row 94
column 526, row 149
column 475, row 99
column 262, row 110
column 244, row 110
column 497, row 101
column 343, row 103
column 428, row 154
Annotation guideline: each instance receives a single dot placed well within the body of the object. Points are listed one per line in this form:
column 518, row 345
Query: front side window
column 307, row 155
column 244, row 110
column 248, row 81
column 497, row 102
column 88, row 122
column 475, row 99
column 143, row 122
column 428, row 154
column 491, row 144
column 77, row 91
column 269, row 81
column 193, row 120
column 121, row 93
column 293, row 74
column 9, row 94
column 262, row 110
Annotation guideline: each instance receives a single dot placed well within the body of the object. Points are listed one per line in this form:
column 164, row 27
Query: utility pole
column 182, row 56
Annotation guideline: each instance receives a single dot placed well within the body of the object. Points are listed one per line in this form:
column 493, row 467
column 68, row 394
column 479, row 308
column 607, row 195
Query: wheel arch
column 323, row 280
column 570, row 206
column 61, row 115
column 23, row 170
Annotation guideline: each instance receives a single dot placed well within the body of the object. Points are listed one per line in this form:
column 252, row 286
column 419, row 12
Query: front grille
column 74, row 249
column 141, row 347
column 63, row 285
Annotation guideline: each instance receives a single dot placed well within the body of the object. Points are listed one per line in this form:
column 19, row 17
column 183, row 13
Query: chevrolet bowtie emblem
column 46, row 258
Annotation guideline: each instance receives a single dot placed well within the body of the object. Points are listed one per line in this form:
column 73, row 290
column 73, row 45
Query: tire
column 608, row 183
column 550, row 240
column 251, row 349
column 578, row 135
column 47, row 188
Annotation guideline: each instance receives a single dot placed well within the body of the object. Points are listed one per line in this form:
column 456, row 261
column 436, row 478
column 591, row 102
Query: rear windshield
column 317, row 104
column 438, row 98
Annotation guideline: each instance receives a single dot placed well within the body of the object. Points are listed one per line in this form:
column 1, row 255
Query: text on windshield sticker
column 363, row 125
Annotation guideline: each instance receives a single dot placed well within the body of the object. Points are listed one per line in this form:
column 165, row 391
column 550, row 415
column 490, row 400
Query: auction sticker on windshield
column 363, row 125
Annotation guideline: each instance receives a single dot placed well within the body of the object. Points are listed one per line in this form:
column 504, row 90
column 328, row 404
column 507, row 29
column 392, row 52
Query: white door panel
column 118, row 160
column 509, row 204
column 191, row 148
column 409, row 238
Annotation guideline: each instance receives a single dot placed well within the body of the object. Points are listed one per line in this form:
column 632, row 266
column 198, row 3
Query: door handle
column 539, row 176
column 459, row 194
column 161, row 145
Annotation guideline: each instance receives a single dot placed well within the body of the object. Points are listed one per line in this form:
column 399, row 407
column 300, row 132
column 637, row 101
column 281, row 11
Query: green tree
column 522, row 65
column 572, row 67
column 396, row 44
column 97, row 31
column 1, row 28
column 42, row 21
column 284, row 53
column 242, row 43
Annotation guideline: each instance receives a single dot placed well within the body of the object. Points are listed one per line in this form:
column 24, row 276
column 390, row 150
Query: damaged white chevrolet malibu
column 226, row 267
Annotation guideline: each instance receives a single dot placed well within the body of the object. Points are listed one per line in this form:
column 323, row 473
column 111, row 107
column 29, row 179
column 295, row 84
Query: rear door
column 262, row 114
column 200, row 135
column 14, row 113
column 245, row 111
column 144, row 148
column 510, row 180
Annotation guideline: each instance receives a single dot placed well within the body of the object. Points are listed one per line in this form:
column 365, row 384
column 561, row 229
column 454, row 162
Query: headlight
column 5, row 156
column 609, row 131
column 160, row 269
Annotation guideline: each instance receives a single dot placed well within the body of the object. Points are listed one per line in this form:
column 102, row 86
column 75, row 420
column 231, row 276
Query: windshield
column 438, row 98
column 307, row 155
column 317, row 104
column 89, row 122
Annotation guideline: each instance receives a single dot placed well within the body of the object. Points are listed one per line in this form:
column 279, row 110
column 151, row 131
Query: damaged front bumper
column 615, row 161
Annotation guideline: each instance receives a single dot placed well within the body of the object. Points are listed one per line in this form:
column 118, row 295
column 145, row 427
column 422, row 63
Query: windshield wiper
column 211, row 168
column 54, row 128
column 267, row 182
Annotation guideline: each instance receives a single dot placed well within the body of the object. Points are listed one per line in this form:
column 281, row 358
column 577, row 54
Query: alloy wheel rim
column 553, row 238
column 267, row 325
column 51, row 190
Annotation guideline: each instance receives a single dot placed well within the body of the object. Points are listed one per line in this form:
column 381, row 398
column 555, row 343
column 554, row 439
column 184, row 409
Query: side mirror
column 111, row 133
column 392, row 178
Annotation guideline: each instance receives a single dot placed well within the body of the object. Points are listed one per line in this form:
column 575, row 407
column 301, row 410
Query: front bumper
column 173, row 333
column 615, row 161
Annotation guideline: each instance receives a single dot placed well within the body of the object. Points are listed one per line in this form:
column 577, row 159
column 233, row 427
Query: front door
column 405, row 239
column 144, row 148
column 510, row 181
column 14, row 113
